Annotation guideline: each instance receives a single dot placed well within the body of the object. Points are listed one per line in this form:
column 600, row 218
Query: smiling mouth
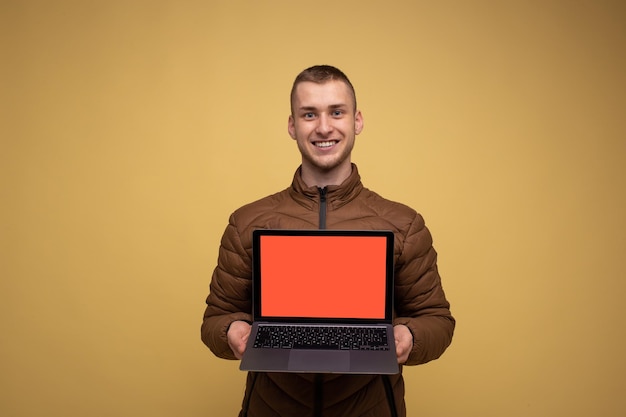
column 325, row 144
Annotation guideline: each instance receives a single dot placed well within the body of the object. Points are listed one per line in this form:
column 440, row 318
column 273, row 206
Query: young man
column 327, row 192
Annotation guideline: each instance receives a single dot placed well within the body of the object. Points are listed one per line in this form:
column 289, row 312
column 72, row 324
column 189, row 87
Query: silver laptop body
column 318, row 295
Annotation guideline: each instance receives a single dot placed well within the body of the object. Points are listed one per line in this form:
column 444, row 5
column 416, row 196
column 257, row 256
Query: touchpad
column 319, row 361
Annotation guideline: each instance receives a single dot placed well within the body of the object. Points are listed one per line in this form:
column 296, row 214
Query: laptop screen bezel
column 256, row 275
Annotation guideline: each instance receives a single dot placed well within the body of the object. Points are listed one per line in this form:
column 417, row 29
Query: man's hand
column 237, row 335
column 404, row 342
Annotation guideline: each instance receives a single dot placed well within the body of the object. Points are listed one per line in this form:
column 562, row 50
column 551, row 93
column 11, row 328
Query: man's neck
column 321, row 179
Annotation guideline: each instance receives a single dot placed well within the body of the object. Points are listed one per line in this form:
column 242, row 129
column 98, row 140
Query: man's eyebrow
column 332, row 106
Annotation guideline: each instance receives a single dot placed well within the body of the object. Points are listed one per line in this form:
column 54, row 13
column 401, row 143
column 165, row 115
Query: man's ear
column 291, row 127
column 358, row 122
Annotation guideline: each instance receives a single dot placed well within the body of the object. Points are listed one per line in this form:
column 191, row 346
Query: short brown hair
column 321, row 74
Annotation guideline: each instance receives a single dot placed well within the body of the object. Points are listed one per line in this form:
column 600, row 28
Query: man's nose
column 324, row 126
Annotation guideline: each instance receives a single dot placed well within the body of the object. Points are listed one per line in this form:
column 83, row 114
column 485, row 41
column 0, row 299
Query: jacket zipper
column 323, row 204
column 319, row 382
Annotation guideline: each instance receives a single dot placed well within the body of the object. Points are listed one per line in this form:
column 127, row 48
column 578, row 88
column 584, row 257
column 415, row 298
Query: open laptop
column 337, row 284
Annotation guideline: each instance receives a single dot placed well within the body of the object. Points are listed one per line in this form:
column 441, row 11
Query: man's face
column 324, row 123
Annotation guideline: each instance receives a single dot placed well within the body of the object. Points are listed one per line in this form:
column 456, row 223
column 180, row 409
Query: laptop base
column 322, row 361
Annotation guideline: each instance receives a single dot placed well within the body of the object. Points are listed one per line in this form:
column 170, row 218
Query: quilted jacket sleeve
column 229, row 292
column 421, row 304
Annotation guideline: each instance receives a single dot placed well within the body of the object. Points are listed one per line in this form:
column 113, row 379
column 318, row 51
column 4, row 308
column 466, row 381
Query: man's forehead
column 331, row 93
column 310, row 86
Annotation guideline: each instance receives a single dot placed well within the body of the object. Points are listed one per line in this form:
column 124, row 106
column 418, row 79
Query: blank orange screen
column 323, row 276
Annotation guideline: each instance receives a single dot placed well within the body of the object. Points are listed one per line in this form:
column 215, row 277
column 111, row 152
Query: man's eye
column 309, row 115
column 338, row 113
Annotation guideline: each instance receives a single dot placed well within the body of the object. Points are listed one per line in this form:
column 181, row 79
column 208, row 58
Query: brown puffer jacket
column 420, row 301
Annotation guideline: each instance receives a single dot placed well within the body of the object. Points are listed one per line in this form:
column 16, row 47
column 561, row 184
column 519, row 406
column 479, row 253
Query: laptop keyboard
column 321, row 337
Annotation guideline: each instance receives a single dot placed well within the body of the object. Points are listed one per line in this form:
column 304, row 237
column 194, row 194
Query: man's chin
column 327, row 165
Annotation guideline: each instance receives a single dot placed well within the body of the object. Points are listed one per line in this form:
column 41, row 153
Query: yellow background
column 131, row 130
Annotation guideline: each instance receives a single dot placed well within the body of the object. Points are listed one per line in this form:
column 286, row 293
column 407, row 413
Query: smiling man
column 326, row 192
column 324, row 122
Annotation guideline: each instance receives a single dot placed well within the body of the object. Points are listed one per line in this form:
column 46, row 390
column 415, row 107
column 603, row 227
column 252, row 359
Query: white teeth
column 325, row 144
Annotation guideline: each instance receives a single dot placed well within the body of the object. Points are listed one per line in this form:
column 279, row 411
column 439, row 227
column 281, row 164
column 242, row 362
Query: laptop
column 318, row 296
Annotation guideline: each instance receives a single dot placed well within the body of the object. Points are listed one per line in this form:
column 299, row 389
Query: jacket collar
column 336, row 195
